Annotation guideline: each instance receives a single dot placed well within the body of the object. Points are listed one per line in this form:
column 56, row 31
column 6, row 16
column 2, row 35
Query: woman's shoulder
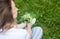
column 17, row 30
column 16, row 33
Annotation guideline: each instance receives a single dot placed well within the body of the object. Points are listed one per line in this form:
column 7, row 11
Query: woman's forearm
column 22, row 25
column 29, row 29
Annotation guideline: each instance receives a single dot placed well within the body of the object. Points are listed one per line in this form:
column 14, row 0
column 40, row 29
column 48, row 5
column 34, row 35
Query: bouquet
column 28, row 18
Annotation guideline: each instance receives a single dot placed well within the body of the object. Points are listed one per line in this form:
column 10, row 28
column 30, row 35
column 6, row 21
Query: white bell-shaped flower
column 33, row 21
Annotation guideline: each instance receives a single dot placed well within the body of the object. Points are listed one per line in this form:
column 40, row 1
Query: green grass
column 47, row 15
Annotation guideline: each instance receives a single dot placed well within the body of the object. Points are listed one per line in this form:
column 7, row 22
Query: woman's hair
column 6, row 17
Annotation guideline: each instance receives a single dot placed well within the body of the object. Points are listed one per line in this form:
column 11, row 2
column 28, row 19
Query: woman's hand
column 22, row 25
column 29, row 25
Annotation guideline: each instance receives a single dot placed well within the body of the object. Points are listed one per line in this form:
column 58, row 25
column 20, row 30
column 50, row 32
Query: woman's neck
column 15, row 21
column 14, row 24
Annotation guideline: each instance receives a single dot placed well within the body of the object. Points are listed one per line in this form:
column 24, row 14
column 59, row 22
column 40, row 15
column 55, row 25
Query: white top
column 14, row 33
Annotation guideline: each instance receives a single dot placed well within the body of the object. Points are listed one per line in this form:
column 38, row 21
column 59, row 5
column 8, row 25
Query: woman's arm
column 29, row 28
column 22, row 25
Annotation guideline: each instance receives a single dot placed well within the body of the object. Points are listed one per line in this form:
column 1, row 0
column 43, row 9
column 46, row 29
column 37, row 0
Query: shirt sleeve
column 27, row 36
column 16, row 34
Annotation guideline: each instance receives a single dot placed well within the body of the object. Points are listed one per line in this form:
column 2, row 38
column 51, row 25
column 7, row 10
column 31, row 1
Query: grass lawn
column 47, row 14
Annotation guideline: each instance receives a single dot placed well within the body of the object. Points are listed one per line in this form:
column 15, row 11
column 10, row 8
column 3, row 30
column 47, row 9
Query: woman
column 9, row 29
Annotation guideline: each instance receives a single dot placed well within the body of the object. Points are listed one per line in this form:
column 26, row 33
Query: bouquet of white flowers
column 28, row 18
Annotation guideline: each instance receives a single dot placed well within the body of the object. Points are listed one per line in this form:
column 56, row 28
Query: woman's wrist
column 29, row 25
